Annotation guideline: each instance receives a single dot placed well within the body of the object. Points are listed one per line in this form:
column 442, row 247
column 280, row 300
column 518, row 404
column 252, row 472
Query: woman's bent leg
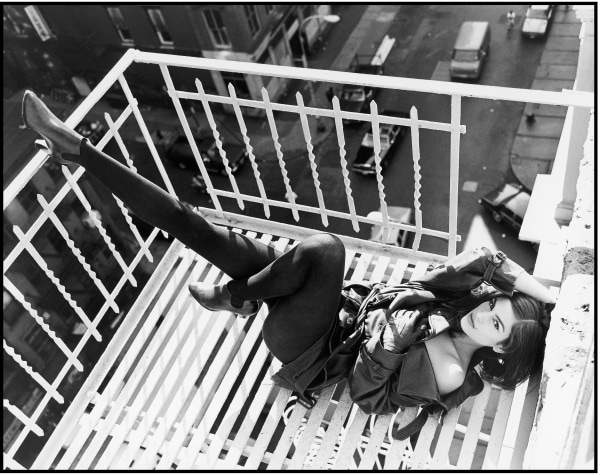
column 304, row 285
column 236, row 255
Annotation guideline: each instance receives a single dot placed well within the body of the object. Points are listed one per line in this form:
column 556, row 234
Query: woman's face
column 490, row 323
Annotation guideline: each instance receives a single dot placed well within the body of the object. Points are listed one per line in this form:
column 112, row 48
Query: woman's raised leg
column 236, row 255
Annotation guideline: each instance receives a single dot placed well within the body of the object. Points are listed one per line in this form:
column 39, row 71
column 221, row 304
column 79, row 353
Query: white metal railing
column 48, row 215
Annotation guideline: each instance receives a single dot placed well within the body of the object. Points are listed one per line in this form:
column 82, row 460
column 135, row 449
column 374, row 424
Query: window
column 239, row 83
column 11, row 309
column 252, row 16
column 216, row 27
column 160, row 26
column 119, row 23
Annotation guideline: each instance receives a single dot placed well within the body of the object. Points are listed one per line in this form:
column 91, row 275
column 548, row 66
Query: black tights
column 302, row 286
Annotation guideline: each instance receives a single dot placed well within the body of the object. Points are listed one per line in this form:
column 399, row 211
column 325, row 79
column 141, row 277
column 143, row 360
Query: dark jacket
column 381, row 381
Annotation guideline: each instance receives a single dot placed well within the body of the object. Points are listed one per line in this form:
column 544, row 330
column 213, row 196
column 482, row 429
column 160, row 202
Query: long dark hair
column 523, row 349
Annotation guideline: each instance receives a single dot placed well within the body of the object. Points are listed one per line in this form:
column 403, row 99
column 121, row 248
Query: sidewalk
column 536, row 142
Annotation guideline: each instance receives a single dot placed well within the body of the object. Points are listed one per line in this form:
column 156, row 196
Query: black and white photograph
column 300, row 237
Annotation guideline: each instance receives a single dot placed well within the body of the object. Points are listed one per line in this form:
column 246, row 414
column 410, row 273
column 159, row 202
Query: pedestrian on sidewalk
column 510, row 22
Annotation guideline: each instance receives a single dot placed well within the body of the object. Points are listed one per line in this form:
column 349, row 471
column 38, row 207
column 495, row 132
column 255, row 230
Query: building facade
column 49, row 45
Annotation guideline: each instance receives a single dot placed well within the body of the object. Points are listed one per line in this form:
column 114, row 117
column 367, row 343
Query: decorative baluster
column 416, row 152
column 26, row 420
column 271, row 119
column 218, row 142
column 61, row 288
column 188, row 133
column 378, row 170
column 19, row 297
column 244, row 130
column 31, row 372
column 455, row 111
column 339, row 128
column 311, row 158
column 99, row 226
column 115, row 131
column 146, row 134
column 65, row 234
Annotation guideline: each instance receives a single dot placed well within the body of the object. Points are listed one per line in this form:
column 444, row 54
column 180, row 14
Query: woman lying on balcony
column 412, row 344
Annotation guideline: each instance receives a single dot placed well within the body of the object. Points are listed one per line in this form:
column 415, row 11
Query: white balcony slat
column 507, row 454
column 57, row 283
column 419, row 270
column 289, row 193
column 215, row 395
column 501, row 416
column 421, row 456
column 249, row 149
column 396, row 452
column 526, row 421
column 339, row 128
column 471, row 440
column 286, row 439
column 219, row 142
column 350, row 439
column 165, row 346
column 220, row 386
column 309, row 433
column 177, row 377
column 115, row 390
column 243, row 393
column 327, row 449
column 416, row 153
column 241, row 441
column 137, row 394
column 260, row 445
column 311, row 158
column 440, row 457
column 455, row 113
column 368, row 459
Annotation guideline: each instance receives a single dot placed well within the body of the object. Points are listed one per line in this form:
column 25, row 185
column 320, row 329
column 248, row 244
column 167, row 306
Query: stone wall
column 563, row 432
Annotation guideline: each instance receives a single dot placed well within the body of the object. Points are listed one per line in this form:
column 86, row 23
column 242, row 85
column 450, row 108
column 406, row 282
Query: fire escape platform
column 181, row 387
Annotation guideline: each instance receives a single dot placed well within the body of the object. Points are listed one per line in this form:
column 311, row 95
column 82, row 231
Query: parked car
column 507, row 203
column 91, row 130
column 397, row 237
column 180, row 153
column 356, row 98
column 389, row 136
column 537, row 20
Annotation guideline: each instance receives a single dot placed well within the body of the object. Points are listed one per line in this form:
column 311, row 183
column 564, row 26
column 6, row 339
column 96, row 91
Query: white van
column 470, row 50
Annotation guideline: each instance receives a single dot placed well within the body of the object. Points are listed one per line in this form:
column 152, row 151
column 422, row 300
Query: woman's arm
column 527, row 284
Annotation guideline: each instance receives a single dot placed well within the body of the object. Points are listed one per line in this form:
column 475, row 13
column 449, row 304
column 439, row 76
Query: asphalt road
column 425, row 35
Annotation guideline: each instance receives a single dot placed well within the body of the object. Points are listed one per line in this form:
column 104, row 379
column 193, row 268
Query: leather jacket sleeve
column 374, row 376
column 471, row 268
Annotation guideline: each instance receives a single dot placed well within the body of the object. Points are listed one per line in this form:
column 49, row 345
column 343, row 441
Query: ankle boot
column 58, row 137
column 218, row 297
